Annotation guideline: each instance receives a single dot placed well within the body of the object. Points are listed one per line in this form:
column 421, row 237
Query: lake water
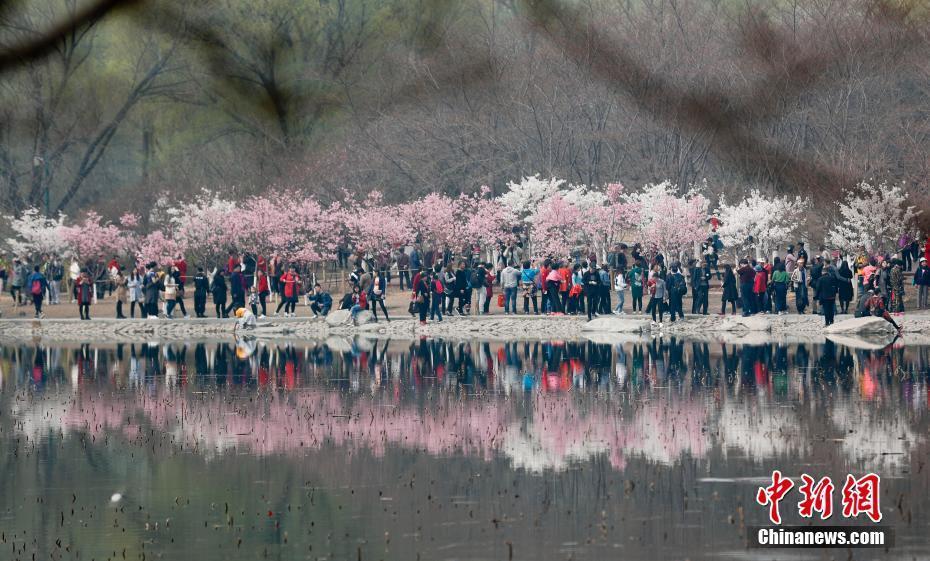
column 438, row 450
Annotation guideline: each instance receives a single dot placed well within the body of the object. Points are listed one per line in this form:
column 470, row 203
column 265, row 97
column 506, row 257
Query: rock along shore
column 753, row 330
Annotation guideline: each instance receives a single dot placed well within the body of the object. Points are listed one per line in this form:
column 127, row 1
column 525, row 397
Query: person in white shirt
column 620, row 289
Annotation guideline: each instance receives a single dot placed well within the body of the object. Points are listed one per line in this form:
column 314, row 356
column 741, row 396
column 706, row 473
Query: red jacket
column 290, row 284
column 262, row 283
column 566, row 275
column 760, row 282
column 182, row 268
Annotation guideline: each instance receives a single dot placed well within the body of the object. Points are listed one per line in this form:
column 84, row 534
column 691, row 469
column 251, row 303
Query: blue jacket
column 36, row 277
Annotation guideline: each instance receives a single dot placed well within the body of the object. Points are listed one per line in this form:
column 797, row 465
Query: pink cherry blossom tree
column 433, row 219
column 556, row 227
column 375, row 227
column 487, row 223
column 667, row 222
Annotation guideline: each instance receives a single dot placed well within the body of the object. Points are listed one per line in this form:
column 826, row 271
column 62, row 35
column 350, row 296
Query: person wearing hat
column 245, row 319
column 802, row 252
column 922, row 282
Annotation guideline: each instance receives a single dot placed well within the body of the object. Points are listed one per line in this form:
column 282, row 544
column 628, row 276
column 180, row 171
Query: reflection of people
column 245, row 346
column 246, row 319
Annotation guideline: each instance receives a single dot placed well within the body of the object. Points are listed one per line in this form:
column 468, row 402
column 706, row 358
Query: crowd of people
column 441, row 283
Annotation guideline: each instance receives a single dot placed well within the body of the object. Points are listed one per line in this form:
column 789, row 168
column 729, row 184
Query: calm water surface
column 438, row 450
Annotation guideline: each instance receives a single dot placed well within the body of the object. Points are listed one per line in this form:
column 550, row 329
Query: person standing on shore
column 528, row 278
column 816, row 273
column 74, row 271
column 780, row 281
column 134, row 285
column 17, row 282
column 825, row 292
column 844, row 292
column 730, row 292
column 150, row 286
column 437, row 289
column 175, row 272
column 201, row 288
column 800, row 280
column 262, row 290
column 122, row 291
column 37, row 284
column 237, row 291
column 591, row 282
column 422, row 291
column 54, row 273
column 218, row 289
column 635, row 280
column 377, row 293
column 896, row 280
column 922, row 282
column 553, row 282
column 747, row 276
column 656, row 287
column 290, row 288
column 620, row 288
column 171, row 293
column 676, row 287
column 84, row 294
column 790, row 260
column 510, row 279
column 606, row 285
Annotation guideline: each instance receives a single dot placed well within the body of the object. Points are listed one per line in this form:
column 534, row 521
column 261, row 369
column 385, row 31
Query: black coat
column 826, row 288
column 219, row 290
column 201, row 285
column 844, row 285
column 730, row 293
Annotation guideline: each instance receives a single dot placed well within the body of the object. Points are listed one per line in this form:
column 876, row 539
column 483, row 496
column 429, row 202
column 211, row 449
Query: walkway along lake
column 436, row 449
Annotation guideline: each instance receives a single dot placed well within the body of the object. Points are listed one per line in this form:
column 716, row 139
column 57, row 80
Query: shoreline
column 607, row 329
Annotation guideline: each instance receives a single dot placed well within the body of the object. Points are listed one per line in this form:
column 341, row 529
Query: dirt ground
column 397, row 302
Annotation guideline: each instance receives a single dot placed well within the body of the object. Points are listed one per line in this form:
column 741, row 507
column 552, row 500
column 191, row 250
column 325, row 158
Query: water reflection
column 541, row 405
column 439, row 450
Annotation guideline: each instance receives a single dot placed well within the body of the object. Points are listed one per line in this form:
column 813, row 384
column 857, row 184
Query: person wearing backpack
column 37, row 284
column 677, row 288
column 529, row 276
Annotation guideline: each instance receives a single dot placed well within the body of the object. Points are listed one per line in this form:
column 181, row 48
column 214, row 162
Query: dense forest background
column 340, row 97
